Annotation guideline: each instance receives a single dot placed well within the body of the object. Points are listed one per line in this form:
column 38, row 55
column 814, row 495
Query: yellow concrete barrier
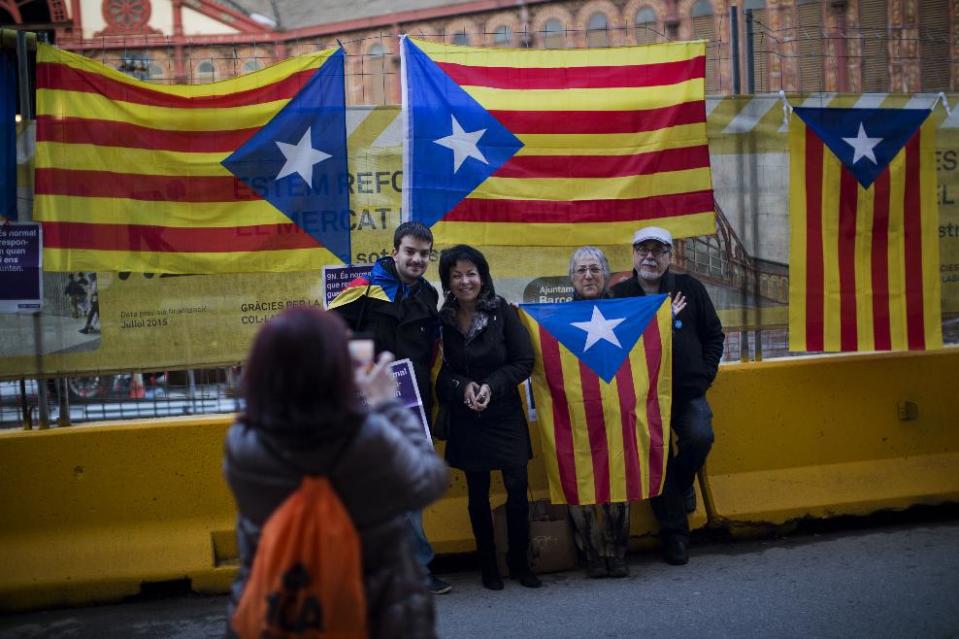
column 90, row 513
column 839, row 435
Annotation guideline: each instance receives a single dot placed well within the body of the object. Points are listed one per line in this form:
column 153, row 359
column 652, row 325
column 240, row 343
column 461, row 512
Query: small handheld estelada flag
column 864, row 248
column 602, row 386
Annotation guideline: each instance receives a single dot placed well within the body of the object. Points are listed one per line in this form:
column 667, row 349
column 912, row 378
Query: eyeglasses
column 655, row 251
column 592, row 270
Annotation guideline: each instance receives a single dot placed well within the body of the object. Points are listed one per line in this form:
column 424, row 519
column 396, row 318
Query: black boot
column 524, row 575
column 675, row 550
column 489, row 571
column 481, row 519
column 517, row 532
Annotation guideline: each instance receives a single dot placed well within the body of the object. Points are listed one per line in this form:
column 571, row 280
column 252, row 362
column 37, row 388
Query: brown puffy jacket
column 387, row 469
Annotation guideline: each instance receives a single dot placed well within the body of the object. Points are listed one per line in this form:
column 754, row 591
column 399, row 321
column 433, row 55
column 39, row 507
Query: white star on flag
column 300, row 158
column 862, row 145
column 598, row 327
column 463, row 144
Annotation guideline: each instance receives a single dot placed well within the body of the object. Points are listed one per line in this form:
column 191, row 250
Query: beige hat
column 661, row 235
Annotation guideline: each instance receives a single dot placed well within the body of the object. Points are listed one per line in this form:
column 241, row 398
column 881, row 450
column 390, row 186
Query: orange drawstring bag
column 307, row 576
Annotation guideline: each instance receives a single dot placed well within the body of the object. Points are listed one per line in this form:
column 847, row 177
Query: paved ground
column 896, row 580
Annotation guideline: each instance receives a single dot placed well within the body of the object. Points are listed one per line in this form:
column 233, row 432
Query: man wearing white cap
column 697, row 348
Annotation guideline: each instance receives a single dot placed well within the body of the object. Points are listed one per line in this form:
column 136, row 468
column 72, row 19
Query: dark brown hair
column 416, row 230
column 466, row 253
column 298, row 381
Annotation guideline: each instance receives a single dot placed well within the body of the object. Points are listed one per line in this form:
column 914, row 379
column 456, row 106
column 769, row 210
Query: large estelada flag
column 602, row 386
column 864, row 247
column 555, row 147
column 247, row 174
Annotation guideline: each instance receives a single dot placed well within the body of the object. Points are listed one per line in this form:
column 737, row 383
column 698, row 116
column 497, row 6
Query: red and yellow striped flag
column 864, row 247
column 556, row 147
column 602, row 388
column 135, row 176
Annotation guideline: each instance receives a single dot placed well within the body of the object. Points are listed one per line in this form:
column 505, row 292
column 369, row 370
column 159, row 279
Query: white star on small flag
column 863, row 145
column 599, row 328
column 300, row 158
column 463, row 144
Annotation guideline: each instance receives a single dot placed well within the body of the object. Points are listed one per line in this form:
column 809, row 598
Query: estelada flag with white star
column 247, row 174
column 864, row 246
column 602, row 386
column 555, row 147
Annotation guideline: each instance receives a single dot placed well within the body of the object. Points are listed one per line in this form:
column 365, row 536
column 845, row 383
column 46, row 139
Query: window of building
column 761, row 43
column 251, row 65
column 461, row 38
column 809, row 34
column 502, row 36
column 374, row 72
column 205, row 72
column 703, row 28
column 701, row 9
column 874, row 23
column 154, row 71
column 597, row 31
column 934, row 45
column 646, row 26
column 554, row 35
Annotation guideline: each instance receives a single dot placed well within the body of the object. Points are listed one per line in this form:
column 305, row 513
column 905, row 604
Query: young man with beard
column 697, row 348
column 400, row 314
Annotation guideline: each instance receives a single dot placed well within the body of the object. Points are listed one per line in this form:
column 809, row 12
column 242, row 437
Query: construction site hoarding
column 127, row 321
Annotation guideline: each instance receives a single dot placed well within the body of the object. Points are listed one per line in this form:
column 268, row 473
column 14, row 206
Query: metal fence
column 63, row 401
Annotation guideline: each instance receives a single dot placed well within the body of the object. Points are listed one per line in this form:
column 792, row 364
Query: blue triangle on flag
column 601, row 333
column 864, row 140
column 438, row 108
column 267, row 162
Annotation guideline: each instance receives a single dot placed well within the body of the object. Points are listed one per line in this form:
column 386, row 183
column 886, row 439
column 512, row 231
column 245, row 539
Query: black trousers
column 692, row 421
column 517, row 516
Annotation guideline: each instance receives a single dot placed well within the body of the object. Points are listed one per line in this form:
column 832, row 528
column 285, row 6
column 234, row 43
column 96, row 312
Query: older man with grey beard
column 697, row 348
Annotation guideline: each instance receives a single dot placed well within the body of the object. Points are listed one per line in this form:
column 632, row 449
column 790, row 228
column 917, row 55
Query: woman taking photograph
column 304, row 416
column 486, row 354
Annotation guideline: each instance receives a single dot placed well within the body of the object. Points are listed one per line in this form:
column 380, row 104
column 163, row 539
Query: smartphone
column 362, row 352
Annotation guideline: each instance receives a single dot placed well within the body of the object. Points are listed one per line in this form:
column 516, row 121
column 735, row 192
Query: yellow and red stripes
column 604, row 442
column 615, row 137
column 358, row 289
column 130, row 173
column 863, row 261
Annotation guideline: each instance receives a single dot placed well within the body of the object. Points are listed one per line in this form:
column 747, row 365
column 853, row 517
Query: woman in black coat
column 486, row 354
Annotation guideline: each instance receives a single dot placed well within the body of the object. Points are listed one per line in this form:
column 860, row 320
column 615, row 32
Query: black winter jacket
column 407, row 327
column 697, row 341
column 499, row 354
column 381, row 471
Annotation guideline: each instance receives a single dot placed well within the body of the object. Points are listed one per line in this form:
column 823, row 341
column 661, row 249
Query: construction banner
column 146, row 322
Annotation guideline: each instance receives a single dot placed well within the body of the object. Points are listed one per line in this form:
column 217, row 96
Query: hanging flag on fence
column 864, row 248
column 555, row 147
column 248, row 174
column 602, row 386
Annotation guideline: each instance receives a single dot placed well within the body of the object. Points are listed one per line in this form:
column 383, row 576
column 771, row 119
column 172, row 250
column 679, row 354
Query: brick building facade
column 797, row 45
